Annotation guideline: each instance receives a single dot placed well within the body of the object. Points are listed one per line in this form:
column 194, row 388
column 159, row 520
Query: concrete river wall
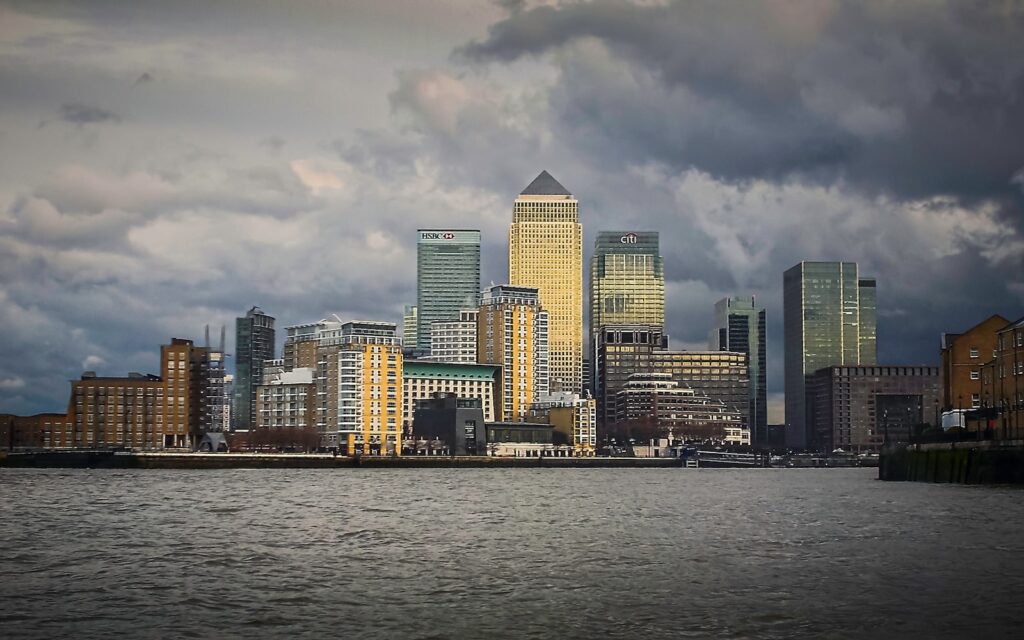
column 959, row 462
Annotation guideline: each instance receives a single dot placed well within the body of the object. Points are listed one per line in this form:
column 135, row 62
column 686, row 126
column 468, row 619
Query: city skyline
column 152, row 197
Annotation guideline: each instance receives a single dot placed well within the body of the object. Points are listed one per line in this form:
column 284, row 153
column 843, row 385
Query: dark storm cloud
column 81, row 114
column 907, row 98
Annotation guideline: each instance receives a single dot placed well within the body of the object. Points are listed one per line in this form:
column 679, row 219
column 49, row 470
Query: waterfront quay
column 964, row 462
column 186, row 460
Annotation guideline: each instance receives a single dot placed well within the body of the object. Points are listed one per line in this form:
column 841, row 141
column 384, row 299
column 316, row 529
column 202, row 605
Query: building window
column 975, row 375
column 974, row 352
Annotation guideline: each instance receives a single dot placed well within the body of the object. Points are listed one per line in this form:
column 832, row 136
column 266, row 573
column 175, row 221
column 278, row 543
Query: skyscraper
column 254, row 343
column 829, row 318
column 512, row 331
column 740, row 326
column 545, row 252
column 627, row 282
column 447, row 277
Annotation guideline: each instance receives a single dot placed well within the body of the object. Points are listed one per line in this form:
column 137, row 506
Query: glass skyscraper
column 254, row 343
column 627, row 280
column 829, row 318
column 447, row 277
column 740, row 326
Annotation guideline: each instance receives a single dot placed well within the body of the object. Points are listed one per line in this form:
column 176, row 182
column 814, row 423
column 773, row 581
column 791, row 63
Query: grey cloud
column 910, row 98
column 81, row 114
column 145, row 78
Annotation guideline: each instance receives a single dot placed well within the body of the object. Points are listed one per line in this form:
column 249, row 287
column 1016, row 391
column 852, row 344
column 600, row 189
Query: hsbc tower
column 447, row 277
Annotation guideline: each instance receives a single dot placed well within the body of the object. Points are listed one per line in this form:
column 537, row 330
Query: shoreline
column 142, row 460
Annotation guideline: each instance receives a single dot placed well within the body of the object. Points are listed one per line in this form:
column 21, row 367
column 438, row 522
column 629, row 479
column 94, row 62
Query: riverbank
column 142, row 460
column 984, row 462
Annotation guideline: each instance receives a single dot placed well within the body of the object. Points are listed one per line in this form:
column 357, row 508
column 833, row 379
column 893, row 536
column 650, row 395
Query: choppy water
column 482, row 553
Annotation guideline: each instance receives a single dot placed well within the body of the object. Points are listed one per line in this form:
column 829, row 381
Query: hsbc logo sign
column 629, row 238
column 444, row 235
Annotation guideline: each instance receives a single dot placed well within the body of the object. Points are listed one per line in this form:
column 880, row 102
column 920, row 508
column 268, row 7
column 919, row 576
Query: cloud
column 288, row 161
column 11, row 384
column 81, row 114
column 912, row 99
column 145, row 78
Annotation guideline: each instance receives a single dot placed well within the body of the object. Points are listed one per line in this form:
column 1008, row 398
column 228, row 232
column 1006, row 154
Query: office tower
column 826, row 324
column 657, row 400
column 859, row 408
column 722, row 376
column 545, row 252
column 447, row 277
column 620, row 351
column 359, row 382
column 422, row 380
column 409, row 326
column 454, row 340
column 740, row 326
column 512, row 331
column 627, row 280
column 254, row 343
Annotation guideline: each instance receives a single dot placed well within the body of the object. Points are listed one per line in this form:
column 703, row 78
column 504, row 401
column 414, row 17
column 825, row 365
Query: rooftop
column 545, row 185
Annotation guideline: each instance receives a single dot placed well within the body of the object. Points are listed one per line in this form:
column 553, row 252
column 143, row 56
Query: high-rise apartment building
column 447, row 277
column 422, row 380
column 359, row 384
column 545, row 252
column 829, row 318
column 454, row 340
column 301, row 342
column 512, row 331
column 254, row 343
column 740, row 326
column 627, row 281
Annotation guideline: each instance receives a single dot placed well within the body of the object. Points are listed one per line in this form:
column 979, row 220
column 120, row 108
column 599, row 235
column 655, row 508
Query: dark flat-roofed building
column 858, row 408
column 457, row 422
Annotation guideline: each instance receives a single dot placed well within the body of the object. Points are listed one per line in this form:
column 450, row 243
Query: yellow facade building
column 360, row 377
column 512, row 331
column 545, row 252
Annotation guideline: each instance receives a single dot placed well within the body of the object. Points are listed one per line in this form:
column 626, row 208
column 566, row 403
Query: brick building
column 858, row 408
column 963, row 355
column 1002, row 388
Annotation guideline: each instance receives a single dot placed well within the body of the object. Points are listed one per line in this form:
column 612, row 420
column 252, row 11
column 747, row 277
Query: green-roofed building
column 421, row 379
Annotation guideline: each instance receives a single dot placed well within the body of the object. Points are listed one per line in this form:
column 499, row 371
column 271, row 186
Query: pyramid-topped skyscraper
column 545, row 251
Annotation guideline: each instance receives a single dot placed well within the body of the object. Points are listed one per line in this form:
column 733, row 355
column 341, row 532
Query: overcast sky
column 166, row 165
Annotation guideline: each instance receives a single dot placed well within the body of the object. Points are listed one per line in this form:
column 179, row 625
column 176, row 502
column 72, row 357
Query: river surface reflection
column 518, row 553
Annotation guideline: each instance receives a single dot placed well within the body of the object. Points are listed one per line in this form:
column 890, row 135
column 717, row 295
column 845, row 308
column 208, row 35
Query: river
column 505, row 553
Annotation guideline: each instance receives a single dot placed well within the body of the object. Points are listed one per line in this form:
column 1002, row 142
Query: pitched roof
column 545, row 185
